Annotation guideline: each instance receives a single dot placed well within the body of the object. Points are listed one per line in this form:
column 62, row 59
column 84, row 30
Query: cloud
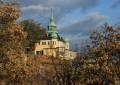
column 79, row 32
column 84, row 27
column 117, row 3
column 35, row 7
column 60, row 7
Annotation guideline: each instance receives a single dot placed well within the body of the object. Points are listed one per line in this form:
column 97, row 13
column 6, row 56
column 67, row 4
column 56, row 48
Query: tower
column 52, row 27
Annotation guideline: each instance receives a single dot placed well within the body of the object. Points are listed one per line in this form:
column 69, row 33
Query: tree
column 99, row 64
column 54, row 71
column 34, row 32
column 13, row 68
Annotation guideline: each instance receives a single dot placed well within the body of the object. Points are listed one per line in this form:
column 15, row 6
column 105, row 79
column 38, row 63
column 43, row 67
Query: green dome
column 53, row 35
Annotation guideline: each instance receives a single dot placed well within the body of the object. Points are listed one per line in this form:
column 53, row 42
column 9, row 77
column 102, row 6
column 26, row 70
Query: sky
column 75, row 19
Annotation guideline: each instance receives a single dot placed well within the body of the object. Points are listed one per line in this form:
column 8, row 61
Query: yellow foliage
column 9, row 13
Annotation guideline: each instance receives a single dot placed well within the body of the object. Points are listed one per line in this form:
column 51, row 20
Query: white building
column 54, row 44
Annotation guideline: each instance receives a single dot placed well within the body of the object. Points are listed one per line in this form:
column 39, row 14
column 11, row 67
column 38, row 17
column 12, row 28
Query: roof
column 49, row 38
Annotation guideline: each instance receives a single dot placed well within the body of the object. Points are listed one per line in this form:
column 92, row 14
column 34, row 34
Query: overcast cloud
column 60, row 7
column 91, row 22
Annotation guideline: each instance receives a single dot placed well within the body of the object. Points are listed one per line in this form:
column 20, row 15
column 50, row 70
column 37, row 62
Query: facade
column 54, row 44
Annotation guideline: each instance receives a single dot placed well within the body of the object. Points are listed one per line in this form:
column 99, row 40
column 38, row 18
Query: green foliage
column 34, row 32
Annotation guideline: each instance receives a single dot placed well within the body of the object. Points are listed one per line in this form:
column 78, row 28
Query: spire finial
column 52, row 12
column 52, row 25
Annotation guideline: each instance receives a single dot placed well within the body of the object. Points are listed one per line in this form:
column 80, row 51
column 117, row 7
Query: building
column 54, row 44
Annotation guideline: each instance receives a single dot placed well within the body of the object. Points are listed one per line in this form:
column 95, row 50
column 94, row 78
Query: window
column 54, row 43
column 41, row 53
column 48, row 43
column 37, row 52
column 43, row 43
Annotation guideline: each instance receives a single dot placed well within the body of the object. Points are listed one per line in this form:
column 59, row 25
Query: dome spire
column 52, row 17
column 51, row 12
column 52, row 25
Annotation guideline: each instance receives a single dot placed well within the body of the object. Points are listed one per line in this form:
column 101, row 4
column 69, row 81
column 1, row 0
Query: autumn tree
column 13, row 69
column 54, row 71
column 99, row 66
